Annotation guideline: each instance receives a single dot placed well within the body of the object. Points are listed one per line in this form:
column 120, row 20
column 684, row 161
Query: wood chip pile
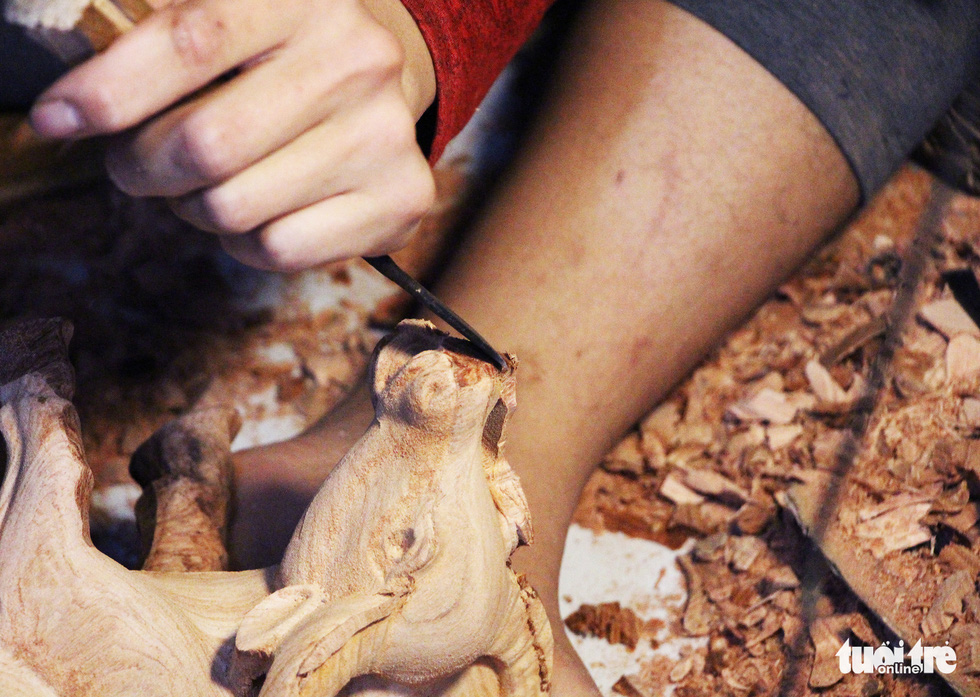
column 740, row 453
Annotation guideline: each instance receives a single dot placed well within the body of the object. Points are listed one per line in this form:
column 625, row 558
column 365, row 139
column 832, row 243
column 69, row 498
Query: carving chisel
column 392, row 271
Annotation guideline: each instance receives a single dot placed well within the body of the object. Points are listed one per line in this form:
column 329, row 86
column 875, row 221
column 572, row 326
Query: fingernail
column 56, row 119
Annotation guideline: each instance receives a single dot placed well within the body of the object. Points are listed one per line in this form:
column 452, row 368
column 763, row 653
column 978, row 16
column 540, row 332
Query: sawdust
column 609, row 621
column 768, row 413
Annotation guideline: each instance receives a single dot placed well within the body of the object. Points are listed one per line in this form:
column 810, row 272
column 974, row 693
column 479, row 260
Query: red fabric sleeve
column 470, row 42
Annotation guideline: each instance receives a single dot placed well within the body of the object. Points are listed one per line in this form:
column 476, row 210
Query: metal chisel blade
column 393, row 272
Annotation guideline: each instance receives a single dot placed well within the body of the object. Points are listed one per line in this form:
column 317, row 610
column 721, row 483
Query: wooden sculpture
column 396, row 581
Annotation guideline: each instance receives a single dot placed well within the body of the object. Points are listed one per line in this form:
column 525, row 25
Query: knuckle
column 381, row 53
column 389, row 129
column 375, row 61
column 278, row 251
column 102, row 109
column 389, row 53
column 227, row 211
column 198, row 34
column 204, row 149
column 419, row 196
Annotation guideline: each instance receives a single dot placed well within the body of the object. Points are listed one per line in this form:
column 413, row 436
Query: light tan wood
column 408, row 541
column 103, row 21
column 18, row 680
column 397, row 578
column 185, row 471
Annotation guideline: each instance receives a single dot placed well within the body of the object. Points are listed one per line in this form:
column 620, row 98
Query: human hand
column 306, row 154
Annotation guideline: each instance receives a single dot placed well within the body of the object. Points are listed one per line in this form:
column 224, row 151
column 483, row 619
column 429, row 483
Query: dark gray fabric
column 25, row 68
column 877, row 73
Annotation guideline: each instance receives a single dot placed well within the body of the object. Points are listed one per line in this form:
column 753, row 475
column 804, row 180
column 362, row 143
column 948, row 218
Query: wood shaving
column 677, row 492
column 948, row 604
column 949, row 318
column 768, row 414
column 766, row 405
column 609, row 621
column 823, row 384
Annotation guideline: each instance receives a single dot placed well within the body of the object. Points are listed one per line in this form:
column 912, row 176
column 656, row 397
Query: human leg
column 668, row 187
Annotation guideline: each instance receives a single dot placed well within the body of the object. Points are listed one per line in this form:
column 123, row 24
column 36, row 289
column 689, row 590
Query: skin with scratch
column 304, row 150
column 669, row 186
column 399, row 571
